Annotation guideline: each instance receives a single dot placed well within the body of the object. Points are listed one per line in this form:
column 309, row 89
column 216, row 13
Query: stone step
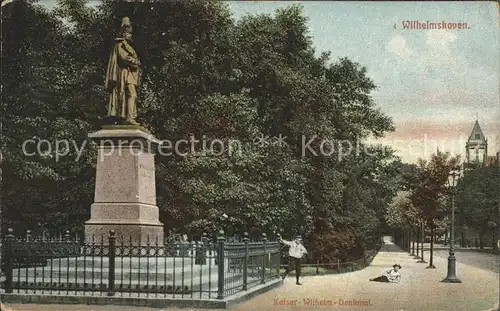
column 126, row 274
column 135, row 274
column 205, row 284
column 127, row 262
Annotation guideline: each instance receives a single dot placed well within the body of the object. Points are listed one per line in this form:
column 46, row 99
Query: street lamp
column 453, row 178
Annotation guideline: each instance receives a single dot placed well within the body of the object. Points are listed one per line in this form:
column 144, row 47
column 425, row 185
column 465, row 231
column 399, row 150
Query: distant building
column 476, row 149
column 477, row 156
column 490, row 160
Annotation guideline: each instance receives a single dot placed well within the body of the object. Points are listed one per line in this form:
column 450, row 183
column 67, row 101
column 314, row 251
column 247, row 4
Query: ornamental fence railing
column 114, row 267
column 336, row 266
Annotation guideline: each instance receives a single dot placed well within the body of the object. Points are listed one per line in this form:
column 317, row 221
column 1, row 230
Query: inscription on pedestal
column 125, row 199
column 146, row 179
column 146, row 171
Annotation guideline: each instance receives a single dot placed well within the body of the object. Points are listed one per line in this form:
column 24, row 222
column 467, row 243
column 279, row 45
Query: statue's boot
column 131, row 121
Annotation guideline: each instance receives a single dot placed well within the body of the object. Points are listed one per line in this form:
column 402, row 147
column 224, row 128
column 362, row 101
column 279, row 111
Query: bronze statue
column 122, row 77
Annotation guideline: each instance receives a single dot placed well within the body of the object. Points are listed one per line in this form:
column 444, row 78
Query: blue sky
column 432, row 82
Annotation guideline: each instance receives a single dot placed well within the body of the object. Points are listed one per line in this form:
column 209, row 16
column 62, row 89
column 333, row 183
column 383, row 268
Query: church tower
column 476, row 147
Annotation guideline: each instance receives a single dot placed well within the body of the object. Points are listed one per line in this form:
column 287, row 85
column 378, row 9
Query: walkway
column 420, row 289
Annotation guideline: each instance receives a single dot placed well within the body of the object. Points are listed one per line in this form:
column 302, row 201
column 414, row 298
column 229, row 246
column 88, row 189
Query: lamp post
column 453, row 178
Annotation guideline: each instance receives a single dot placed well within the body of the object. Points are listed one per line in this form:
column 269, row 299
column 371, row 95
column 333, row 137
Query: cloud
column 436, row 53
column 433, row 75
column 399, row 47
column 419, row 138
column 445, row 99
column 440, row 129
column 440, row 40
column 439, row 53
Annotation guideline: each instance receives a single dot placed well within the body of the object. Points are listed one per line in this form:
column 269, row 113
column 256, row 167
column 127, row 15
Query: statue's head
column 126, row 29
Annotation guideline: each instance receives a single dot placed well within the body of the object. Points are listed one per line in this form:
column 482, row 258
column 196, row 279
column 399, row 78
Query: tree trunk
column 446, row 236
column 481, row 240
column 423, row 240
column 413, row 242
column 431, row 256
column 418, row 243
column 405, row 240
column 494, row 239
column 410, row 236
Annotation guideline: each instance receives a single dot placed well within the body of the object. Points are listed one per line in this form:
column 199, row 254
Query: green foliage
column 400, row 213
column 207, row 77
column 429, row 194
column 477, row 198
column 429, row 197
column 41, row 75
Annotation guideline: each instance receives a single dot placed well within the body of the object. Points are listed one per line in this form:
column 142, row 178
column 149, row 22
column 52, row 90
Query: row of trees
column 477, row 204
column 204, row 75
column 423, row 207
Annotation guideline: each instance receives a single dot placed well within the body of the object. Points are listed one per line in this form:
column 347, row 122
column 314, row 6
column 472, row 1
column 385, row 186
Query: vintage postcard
column 250, row 155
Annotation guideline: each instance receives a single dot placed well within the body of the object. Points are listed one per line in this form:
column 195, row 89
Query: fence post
column 204, row 247
column 245, row 262
column 67, row 237
column 9, row 239
column 278, row 238
column 28, row 235
column 220, row 265
column 278, row 264
column 111, row 257
column 263, row 273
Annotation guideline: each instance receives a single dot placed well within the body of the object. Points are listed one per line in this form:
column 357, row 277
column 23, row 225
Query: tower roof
column 476, row 136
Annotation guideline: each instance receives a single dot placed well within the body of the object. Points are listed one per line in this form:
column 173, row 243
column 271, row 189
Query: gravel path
column 420, row 289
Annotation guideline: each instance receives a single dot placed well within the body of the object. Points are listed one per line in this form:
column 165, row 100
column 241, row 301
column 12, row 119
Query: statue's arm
column 124, row 55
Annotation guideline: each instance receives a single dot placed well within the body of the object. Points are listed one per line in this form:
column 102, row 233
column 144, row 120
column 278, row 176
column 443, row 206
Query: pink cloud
column 419, row 138
column 418, row 129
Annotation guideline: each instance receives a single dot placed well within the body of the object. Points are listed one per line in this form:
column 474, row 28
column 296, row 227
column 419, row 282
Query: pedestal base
column 134, row 234
column 125, row 190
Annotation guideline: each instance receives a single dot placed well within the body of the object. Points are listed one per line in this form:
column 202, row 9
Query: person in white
column 390, row 276
column 295, row 253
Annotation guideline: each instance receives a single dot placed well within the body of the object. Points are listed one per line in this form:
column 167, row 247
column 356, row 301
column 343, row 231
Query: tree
column 40, row 78
column 477, row 201
column 209, row 78
column 401, row 214
column 430, row 194
column 397, row 212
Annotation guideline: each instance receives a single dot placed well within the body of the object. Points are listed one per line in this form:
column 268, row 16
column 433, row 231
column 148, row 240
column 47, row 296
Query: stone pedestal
column 125, row 190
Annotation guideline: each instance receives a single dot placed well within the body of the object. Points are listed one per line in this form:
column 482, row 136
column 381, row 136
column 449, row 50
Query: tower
column 476, row 148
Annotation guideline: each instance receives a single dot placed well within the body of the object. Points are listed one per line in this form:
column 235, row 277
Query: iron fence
column 336, row 267
column 116, row 267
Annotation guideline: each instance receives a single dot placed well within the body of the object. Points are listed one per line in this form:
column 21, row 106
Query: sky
column 433, row 83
